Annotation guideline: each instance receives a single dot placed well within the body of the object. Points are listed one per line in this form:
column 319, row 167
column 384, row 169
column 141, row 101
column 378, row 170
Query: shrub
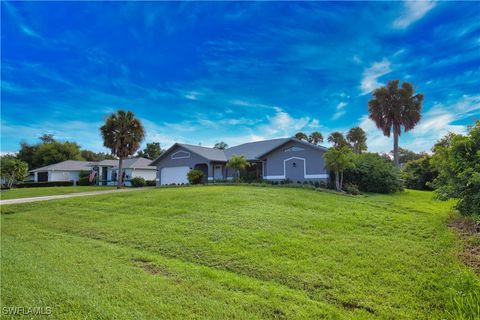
column 351, row 188
column 138, row 182
column 150, row 183
column 45, row 184
column 372, row 173
column 419, row 174
column 195, row 176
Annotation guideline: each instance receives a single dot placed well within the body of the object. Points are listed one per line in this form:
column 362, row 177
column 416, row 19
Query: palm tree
column 220, row 145
column 238, row 163
column 315, row 138
column 358, row 139
column 338, row 160
column 337, row 139
column 393, row 107
column 301, row 136
column 122, row 133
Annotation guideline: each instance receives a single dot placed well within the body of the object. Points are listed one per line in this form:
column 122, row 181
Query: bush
column 150, row 183
column 351, row 188
column 419, row 174
column 195, row 176
column 372, row 173
column 45, row 184
column 138, row 182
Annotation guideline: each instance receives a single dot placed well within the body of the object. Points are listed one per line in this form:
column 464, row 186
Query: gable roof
column 251, row 150
column 131, row 163
column 68, row 165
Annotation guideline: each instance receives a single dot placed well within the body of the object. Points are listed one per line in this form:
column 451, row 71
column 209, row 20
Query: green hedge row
column 44, row 184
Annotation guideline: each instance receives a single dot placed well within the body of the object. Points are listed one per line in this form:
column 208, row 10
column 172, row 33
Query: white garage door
column 176, row 175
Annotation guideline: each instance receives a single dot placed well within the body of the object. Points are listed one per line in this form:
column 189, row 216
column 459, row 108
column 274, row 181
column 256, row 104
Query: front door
column 217, row 172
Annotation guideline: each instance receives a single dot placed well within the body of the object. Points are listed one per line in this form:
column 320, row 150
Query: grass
column 225, row 252
column 47, row 191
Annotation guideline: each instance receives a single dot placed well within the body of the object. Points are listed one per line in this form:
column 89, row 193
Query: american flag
column 93, row 173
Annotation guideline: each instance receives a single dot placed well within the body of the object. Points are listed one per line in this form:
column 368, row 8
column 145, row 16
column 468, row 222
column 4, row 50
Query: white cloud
column 370, row 76
column 413, row 11
column 338, row 114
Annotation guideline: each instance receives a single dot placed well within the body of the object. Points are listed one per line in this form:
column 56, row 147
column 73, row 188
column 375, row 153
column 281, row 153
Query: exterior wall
column 58, row 176
column 278, row 165
column 190, row 162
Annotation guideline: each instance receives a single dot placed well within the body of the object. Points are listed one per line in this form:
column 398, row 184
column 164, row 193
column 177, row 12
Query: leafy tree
column 122, row 133
column 374, row 173
column 12, row 169
column 237, row 163
column 338, row 140
column 405, row 155
column 457, row 159
column 393, row 108
column 221, row 145
column 53, row 152
column 96, row 156
column 315, row 138
column 338, row 160
column 419, row 174
column 301, row 136
column 358, row 139
column 151, row 151
column 27, row 154
column 47, row 138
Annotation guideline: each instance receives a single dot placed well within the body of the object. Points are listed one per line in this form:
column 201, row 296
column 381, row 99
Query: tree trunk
column 341, row 181
column 337, row 180
column 395, row 148
column 120, row 173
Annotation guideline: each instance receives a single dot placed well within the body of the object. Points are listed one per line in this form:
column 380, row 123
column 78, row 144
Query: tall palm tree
column 393, row 107
column 315, row 138
column 301, row 136
column 358, row 139
column 337, row 139
column 122, row 133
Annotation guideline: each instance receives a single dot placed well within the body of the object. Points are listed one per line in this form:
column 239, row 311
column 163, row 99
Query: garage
column 174, row 175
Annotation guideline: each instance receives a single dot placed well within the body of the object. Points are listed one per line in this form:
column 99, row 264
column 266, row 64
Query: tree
column 419, row 174
column 338, row 140
column 405, row 155
column 393, row 108
column 12, row 169
column 47, row 138
column 96, row 156
column 358, row 139
column 315, row 138
column 221, row 145
column 457, row 159
column 301, row 136
column 27, row 154
column 122, row 133
column 338, row 160
column 53, row 152
column 237, row 163
column 152, row 151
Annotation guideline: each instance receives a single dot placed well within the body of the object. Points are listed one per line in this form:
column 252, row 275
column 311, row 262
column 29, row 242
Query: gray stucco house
column 276, row 159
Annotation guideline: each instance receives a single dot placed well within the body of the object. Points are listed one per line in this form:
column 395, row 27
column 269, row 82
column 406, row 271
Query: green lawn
column 46, row 191
column 226, row 252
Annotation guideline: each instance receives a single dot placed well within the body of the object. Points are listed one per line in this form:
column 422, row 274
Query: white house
column 107, row 170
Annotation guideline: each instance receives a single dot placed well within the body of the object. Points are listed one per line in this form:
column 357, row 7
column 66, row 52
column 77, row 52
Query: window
column 181, row 155
column 294, row 149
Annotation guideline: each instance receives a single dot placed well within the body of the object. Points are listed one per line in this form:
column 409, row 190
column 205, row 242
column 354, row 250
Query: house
column 107, row 170
column 277, row 159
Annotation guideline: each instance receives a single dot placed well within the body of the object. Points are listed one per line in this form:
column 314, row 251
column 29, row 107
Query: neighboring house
column 134, row 167
column 68, row 170
column 107, row 170
column 277, row 159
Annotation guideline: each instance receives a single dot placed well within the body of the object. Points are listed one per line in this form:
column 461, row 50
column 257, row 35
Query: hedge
column 45, row 184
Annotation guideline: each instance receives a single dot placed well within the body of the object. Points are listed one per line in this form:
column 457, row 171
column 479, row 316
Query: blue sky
column 237, row 72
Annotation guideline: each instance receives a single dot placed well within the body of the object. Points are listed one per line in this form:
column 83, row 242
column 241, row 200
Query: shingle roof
column 132, row 163
column 68, row 165
column 208, row 153
column 253, row 150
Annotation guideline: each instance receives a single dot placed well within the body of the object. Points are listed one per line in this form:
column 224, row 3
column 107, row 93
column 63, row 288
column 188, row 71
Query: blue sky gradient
column 237, row 72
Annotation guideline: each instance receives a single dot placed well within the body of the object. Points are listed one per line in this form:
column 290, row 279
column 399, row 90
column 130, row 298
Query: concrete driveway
column 72, row 195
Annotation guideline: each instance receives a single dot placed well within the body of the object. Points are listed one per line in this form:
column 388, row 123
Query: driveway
column 72, row 195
